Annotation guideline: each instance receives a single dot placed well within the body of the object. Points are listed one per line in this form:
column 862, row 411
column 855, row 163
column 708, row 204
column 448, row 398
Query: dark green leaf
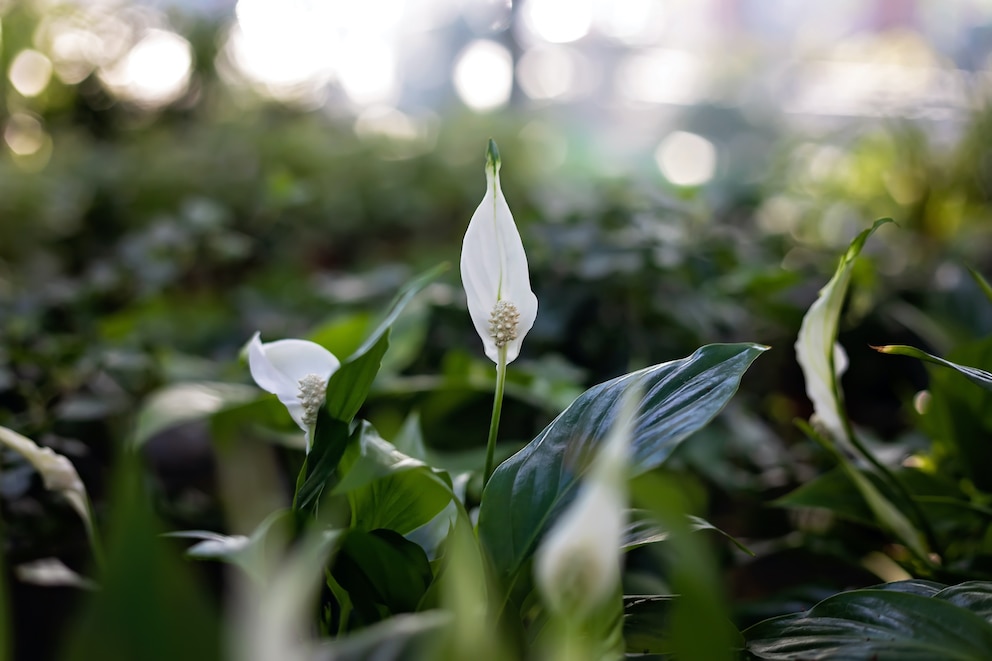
column 529, row 490
column 320, row 467
column 383, row 574
column 892, row 623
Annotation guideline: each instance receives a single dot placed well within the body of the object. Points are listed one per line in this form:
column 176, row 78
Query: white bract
column 295, row 371
column 577, row 566
column 494, row 272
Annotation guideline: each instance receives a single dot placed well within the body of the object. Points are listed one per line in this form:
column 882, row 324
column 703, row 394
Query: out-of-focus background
column 177, row 175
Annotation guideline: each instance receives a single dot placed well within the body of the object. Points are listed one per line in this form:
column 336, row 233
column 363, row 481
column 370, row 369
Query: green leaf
column 320, row 467
column 529, row 490
column 820, row 357
column 387, row 489
column 383, row 574
column 940, row 499
column 977, row 376
column 349, row 386
column 889, row 623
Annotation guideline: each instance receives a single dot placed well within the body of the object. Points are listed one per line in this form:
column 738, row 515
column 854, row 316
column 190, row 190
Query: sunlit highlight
column 547, row 72
column 686, row 159
column 24, row 134
column 368, row 74
column 558, row 21
column 631, row 21
column 155, row 72
column 662, row 75
column 30, row 73
column 483, row 75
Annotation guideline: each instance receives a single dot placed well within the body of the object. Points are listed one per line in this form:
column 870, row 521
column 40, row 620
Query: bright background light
column 686, row 159
column 483, row 75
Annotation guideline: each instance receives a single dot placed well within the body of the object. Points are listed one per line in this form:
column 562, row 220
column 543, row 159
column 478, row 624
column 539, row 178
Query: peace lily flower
column 497, row 285
column 295, row 371
column 494, row 272
column 577, row 565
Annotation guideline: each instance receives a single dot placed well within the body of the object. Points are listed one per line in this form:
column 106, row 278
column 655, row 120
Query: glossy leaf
column 529, row 490
column 901, row 621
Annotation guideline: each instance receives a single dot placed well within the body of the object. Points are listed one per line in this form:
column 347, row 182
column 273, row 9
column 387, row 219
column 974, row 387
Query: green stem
column 897, row 486
column 494, row 422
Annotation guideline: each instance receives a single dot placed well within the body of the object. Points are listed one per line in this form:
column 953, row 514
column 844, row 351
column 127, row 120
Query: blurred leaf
column 977, row 376
column 982, row 283
column 696, row 624
column 400, row 638
column 530, row 489
column 184, row 402
column 148, row 607
column 889, row 622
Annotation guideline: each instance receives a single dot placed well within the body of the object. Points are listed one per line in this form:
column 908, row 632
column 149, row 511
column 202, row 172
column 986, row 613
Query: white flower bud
column 494, row 271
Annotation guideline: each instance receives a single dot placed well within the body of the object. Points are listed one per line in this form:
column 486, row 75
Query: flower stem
column 497, row 409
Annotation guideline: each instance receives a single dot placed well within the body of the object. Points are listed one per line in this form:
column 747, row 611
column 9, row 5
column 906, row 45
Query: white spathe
column 494, row 270
column 577, row 565
column 295, row 371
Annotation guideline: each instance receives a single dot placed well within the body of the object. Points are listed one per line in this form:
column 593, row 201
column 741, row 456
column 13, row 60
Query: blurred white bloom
column 577, row 566
column 494, row 272
column 295, row 371
column 57, row 472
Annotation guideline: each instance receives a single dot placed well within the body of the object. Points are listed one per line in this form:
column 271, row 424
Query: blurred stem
column 494, row 422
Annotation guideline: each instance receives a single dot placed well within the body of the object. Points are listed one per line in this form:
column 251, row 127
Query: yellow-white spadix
column 494, row 272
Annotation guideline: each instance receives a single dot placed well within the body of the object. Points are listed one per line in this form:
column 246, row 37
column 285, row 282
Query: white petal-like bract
column 295, row 371
column 494, row 271
column 577, row 565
